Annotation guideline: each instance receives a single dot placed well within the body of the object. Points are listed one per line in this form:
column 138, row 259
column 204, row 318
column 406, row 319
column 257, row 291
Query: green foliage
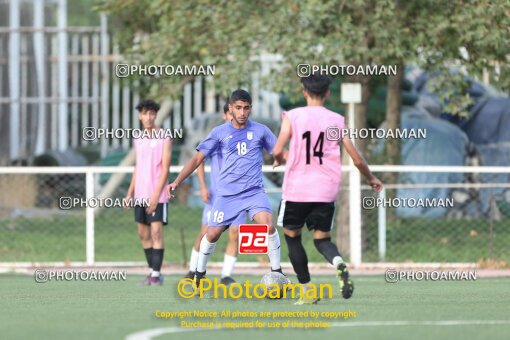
column 232, row 34
column 376, row 112
column 81, row 13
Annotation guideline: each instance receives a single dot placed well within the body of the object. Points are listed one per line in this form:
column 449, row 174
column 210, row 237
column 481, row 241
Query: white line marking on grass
column 152, row 333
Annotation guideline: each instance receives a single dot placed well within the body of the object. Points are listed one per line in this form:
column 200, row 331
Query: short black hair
column 225, row 107
column 147, row 104
column 316, row 84
column 241, row 95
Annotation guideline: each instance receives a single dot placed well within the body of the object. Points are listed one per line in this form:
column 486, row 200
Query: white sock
column 193, row 261
column 206, row 250
column 155, row 274
column 274, row 251
column 228, row 265
column 337, row 260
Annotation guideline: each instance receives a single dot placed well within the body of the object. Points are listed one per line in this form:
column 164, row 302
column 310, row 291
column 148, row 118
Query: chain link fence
column 476, row 228
column 440, row 217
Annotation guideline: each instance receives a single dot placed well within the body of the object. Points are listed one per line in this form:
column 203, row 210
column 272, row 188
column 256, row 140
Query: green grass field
column 113, row 310
column 62, row 238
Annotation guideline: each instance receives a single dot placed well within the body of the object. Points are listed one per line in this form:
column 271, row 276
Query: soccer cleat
column 198, row 277
column 146, row 281
column 156, row 281
column 289, row 282
column 346, row 285
column 227, row 280
column 279, row 270
column 307, row 301
column 190, row 275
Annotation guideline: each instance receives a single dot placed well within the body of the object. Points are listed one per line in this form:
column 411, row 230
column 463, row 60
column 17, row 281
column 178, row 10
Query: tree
column 229, row 34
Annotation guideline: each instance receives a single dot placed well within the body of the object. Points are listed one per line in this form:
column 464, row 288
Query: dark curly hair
column 147, row 105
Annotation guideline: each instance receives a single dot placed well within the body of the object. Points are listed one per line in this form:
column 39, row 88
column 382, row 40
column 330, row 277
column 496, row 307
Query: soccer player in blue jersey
column 240, row 186
column 208, row 196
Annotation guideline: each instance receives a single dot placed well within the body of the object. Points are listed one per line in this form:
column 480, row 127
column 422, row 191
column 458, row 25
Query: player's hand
column 280, row 159
column 126, row 201
column 375, row 183
column 153, row 204
column 171, row 187
column 205, row 195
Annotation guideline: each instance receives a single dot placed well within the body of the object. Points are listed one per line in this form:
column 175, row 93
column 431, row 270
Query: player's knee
column 292, row 240
column 319, row 234
column 144, row 235
column 213, row 234
column 292, row 232
column 272, row 229
column 263, row 217
column 157, row 236
column 212, row 238
column 233, row 235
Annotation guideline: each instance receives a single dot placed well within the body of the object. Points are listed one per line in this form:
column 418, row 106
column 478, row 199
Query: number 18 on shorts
column 253, row 238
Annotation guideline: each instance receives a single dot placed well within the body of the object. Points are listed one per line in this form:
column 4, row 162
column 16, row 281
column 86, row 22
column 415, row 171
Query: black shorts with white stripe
column 159, row 215
column 316, row 215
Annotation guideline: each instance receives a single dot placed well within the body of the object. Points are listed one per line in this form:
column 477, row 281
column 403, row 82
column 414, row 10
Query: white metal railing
column 355, row 224
column 79, row 64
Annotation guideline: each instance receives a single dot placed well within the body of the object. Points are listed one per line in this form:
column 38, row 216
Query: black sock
column 157, row 259
column 298, row 258
column 148, row 256
column 326, row 248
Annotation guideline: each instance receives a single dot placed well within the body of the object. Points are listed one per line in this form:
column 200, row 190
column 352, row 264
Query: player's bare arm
column 204, row 193
column 162, row 180
column 188, row 169
column 279, row 151
column 361, row 164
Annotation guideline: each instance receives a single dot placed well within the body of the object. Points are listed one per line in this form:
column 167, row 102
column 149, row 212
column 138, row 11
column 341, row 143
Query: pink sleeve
column 341, row 122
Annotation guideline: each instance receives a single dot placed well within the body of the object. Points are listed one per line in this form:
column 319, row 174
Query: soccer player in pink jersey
column 312, row 179
column 149, row 178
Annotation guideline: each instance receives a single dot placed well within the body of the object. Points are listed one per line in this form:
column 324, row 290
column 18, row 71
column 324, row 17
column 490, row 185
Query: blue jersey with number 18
column 241, row 151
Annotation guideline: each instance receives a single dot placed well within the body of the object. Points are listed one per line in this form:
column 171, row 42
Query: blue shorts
column 226, row 209
column 241, row 219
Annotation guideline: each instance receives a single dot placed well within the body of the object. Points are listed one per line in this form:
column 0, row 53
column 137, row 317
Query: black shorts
column 159, row 215
column 316, row 215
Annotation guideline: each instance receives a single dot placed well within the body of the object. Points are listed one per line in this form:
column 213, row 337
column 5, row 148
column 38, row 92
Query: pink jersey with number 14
column 313, row 170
